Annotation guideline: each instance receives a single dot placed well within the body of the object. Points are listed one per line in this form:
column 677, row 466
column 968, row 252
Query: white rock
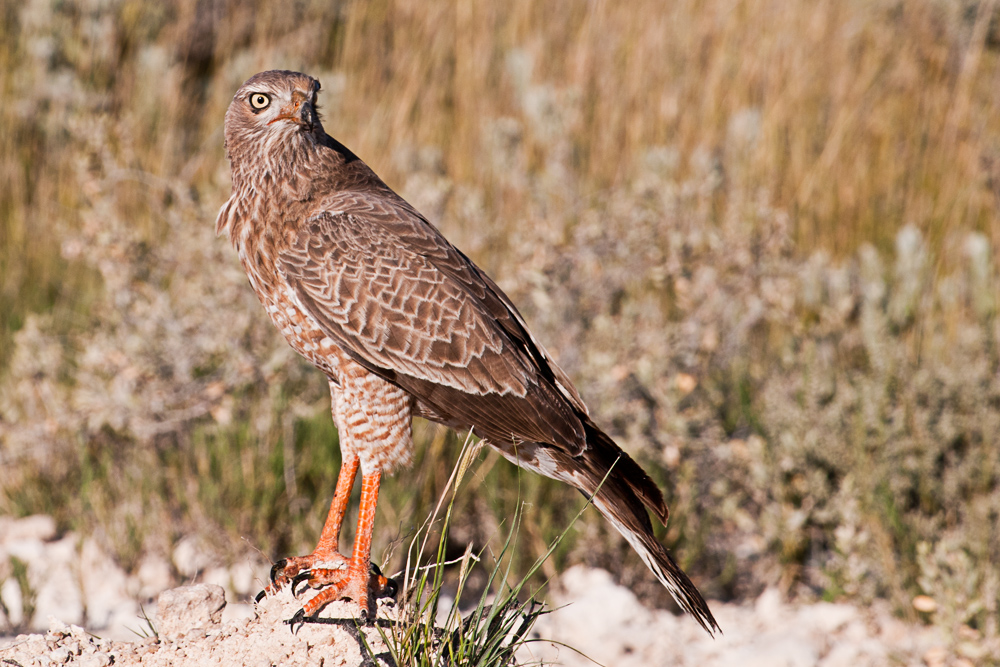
column 39, row 527
column 191, row 557
column 769, row 607
column 105, row 589
column 93, row 660
column 604, row 621
column 773, row 650
column 219, row 576
column 181, row 610
column 826, row 618
column 10, row 593
column 153, row 576
column 248, row 578
column 851, row 653
column 25, row 550
column 237, row 611
column 59, row 655
column 54, row 578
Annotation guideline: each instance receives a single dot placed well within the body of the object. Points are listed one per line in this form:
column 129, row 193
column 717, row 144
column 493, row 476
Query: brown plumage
column 403, row 323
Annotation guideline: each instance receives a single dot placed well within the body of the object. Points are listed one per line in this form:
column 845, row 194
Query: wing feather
column 407, row 305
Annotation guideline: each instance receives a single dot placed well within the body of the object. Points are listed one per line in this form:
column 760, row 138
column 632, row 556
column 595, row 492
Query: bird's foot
column 290, row 570
column 363, row 583
column 333, row 577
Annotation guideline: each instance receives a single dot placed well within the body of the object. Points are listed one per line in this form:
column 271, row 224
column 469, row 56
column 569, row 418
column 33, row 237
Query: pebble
column 94, row 660
column 189, row 608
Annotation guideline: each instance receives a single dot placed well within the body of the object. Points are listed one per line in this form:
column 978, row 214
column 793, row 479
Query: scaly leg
column 357, row 580
column 373, row 420
column 326, row 566
column 325, row 556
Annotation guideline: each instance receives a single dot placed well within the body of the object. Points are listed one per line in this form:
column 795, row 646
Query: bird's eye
column 259, row 101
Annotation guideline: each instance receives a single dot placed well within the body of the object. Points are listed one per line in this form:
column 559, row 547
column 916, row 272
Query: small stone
column 153, row 576
column 769, row 607
column 59, row 656
column 94, row 660
column 936, row 656
column 10, row 595
column 38, row 527
column 183, row 609
column 686, row 383
column 925, row 604
column 191, row 556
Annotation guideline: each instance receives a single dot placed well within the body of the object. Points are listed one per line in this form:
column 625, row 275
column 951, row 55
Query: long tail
column 626, row 493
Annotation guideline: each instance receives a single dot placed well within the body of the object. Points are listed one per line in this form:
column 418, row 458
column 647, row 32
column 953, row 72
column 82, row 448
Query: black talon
column 298, row 579
column 277, row 567
column 391, row 587
column 260, row 596
column 300, row 618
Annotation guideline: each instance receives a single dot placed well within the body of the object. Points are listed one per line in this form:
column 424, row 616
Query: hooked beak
column 300, row 111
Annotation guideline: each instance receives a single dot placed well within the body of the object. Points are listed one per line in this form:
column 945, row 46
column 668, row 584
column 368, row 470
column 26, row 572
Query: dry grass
column 759, row 235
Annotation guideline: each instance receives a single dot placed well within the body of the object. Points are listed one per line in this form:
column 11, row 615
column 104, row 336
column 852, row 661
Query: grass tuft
column 488, row 635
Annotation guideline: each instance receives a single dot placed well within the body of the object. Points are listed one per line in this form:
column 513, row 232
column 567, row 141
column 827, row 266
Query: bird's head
column 270, row 110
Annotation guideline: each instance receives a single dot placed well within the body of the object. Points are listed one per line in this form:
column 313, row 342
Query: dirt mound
column 196, row 637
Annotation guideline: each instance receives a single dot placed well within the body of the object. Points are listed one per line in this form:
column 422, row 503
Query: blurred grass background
column 759, row 235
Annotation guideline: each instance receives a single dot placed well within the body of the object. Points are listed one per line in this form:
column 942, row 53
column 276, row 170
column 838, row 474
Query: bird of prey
column 402, row 323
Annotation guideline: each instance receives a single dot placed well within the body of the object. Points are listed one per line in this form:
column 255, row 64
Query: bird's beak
column 300, row 111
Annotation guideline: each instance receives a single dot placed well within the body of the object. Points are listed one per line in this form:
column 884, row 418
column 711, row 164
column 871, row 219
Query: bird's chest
column 295, row 324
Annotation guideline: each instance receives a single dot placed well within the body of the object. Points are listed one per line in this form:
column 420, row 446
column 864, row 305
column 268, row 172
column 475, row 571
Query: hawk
column 402, row 324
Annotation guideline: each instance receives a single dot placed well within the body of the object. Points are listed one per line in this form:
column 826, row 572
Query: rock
column 606, row 621
column 769, row 607
column 181, row 610
column 236, row 611
column 25, row 550
column 936, row 656
column 105, row 588
column 827, row 618
column 10, row 595
column 93, row 660
column 59, row 655
column 153, row 576
column 191, row 557
column 39, row 528
column 774, row 650
column 848, row 653
column 248, row 578
column 55, row 579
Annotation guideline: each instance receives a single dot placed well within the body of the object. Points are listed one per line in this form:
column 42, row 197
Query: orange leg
column 326, row 555
column 326, row 569
column 329, row 539
column 358, row 581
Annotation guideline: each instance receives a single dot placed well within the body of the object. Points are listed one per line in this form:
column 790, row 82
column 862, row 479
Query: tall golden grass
column 870, row 115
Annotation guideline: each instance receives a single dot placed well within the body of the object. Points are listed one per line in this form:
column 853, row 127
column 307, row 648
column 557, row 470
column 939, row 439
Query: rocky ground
column 68, row 585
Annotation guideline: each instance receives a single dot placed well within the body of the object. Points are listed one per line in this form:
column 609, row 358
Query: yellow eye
column 259, row 101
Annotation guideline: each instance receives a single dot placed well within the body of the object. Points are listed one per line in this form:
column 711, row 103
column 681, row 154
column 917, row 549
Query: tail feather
column 657, row 558
column 605, row 453
column 620, row 498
